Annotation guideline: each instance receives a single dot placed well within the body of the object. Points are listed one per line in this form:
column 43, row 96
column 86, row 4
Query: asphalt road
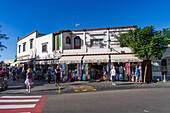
column 148, row 100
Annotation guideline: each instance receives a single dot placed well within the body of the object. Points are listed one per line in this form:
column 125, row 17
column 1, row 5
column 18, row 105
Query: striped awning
column 70, row 59
column 125, row 58
column 96, row 59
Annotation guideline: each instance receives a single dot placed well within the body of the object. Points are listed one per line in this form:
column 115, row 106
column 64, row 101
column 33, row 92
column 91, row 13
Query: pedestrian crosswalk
column 22, row 104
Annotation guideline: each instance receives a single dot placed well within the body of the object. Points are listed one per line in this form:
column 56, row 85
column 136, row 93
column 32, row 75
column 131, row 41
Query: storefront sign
column 156, row 65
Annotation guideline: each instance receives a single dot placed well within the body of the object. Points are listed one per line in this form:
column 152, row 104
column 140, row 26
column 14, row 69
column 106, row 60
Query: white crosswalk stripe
column 20, row 103
column 17, row 106
column 20, row 96
column 28, row 100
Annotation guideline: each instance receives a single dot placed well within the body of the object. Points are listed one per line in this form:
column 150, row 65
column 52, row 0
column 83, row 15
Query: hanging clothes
column 140, row 68
column 128, row 68
column 121, row 73
column 125, row 75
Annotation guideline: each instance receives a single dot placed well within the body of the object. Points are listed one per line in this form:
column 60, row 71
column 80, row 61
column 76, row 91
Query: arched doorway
column 77, row 42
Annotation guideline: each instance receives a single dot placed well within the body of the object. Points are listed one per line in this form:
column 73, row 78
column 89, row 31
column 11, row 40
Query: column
column 84, row 42
column 108, row 40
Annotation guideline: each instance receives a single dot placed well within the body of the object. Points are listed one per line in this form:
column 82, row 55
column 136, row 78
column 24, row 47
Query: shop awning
column 70, row 59
column 125, row 58
column 20, row 62
column 24, row 62
column 96, row 58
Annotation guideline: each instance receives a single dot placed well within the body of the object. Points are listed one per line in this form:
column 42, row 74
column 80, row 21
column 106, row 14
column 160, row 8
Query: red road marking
column 37, row 109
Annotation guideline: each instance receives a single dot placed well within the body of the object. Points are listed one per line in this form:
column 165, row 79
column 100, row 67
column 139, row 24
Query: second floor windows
column 31, row 43
column 96, row 42
column 68, row 40
column 24, row 47
column 44, row 47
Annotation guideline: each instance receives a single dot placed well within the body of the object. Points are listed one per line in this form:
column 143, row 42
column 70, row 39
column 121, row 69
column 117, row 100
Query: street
column 148, row 100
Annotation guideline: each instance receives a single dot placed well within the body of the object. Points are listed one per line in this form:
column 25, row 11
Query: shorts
column 57, row 78
column 113, row 78
column 28, row 82
column 137, row 77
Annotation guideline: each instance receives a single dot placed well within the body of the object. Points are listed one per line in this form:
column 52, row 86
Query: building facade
column 83, row 54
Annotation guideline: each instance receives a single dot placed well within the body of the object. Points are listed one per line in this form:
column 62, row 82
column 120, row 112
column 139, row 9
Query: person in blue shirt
column 137, row 72
column 49, row 74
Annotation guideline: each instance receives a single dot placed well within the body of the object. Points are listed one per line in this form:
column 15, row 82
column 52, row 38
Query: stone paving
column 43, row 88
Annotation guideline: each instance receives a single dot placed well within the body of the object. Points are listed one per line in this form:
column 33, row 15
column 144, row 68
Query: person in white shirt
column 113, row 75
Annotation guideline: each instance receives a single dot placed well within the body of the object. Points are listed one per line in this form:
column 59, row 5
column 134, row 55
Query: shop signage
column 156, row 65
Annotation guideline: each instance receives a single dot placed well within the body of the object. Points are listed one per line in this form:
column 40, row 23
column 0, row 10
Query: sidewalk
column 43, row 88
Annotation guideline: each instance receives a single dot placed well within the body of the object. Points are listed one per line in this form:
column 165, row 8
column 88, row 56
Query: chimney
column 17, row 38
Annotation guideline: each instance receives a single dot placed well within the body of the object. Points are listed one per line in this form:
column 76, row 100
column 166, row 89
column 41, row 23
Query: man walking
column 49, row 74
column 57, row 71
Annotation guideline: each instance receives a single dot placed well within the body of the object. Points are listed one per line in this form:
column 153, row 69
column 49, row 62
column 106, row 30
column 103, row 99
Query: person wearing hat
column 113, row 74
column 49, row 74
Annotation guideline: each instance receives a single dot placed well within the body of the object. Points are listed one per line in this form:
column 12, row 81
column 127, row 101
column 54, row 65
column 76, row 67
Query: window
column 19, row 48
column 77, row 41
column 24, row 47
column 68, row 40
column 96, row 42
column 31, row 43
column 44, row 47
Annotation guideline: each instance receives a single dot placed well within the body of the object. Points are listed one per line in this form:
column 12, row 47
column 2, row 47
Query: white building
column 26, row 49
column 79, row 50
column 161, row 67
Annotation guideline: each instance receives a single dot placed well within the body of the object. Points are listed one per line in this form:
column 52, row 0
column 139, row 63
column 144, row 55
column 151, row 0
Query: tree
column 2, row 36
column 146, row 42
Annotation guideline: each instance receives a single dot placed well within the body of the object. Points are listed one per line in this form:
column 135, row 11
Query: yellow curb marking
column 84, row 89
column 59, row 89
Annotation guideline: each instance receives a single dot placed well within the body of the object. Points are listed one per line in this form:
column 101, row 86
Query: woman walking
column 28, row 80
column 137, row 73
column 113, row 74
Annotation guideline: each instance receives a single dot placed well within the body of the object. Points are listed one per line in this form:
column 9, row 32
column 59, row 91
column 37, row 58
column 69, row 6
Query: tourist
column 57, row 71
column 28, row 80
column 137, row 73
column 49, row 73
column 113, row 75
column 38, row 74
column 14, row 73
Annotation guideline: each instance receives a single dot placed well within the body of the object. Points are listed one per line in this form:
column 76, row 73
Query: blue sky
column 21, row 17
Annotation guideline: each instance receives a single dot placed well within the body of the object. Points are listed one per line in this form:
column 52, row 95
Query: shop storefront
column 97, row 67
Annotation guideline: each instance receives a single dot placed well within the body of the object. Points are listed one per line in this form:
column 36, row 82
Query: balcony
column 73, row 51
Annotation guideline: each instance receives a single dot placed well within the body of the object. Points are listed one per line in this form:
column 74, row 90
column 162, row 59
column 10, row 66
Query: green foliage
column 2, row 36
column 146, row 42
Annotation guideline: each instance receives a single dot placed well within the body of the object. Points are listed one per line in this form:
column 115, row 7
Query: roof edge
column 27, row 35
column 107, row 28
column 62, row 31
